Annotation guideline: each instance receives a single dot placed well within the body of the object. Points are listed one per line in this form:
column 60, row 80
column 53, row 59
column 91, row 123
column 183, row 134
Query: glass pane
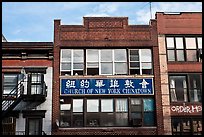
column 191, row 55
column 92, row 119
column 200, row 43
column 170, row 42
column 195, row 88
column 106, row 105
column 34, row 127
column 148, row 104
column 146, row 65
column 121, row 119
column 134, row 52
column 180, row 55
column 92, row 55
column 149, row 119
column 120, row 55
column 36, row 89
column 190, row 43
column 78, row 66
column 65, row 119
column 107, row 119
column 66, row 66
column 134, row 58
column 106, row 68
column 106, row 55
column 66, row 55
column 136, row 115
column 176, row 125
column 78, row 120
column 36, row 77
column 120, row 68
column 78, row 55
column 146, row 55
column 135, row 101
column 77, row 105
column 135, row 64
column 92, row 105
column 92, row 64
column 171, row 55
column 121, row 105
column 179, row 82
column 9, row 88
column 179, row 43
column 10, row 78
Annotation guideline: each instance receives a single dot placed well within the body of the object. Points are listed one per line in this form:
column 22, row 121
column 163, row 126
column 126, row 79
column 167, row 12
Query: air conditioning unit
column 137, row 122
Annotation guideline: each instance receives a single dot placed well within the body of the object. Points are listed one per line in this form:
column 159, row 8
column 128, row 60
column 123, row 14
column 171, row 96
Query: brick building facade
column 95, row 44
column 26, row 88
column 180, row 53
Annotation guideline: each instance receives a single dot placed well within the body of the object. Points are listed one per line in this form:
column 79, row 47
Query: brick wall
column 105, row 33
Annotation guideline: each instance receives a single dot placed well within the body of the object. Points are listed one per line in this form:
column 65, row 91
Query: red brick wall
column 27, row 62
column 185, row 67
column 105, row 33
column 184, row 23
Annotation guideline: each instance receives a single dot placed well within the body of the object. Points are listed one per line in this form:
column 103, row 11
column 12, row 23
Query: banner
column 107, row 86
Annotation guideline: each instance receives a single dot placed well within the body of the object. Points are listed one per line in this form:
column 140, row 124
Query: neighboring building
column 27, row 88
column 106, row 78
column 3, row 38
column 180, row 53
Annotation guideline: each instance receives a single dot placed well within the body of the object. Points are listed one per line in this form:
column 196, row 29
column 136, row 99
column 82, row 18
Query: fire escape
column 20, row 99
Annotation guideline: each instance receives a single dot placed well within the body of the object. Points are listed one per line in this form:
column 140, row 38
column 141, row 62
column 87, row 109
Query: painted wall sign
column 107, row 86
column 186, row 109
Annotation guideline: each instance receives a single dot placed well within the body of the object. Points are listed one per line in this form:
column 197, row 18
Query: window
column 10, row 83
column 36, row 83
column 183, row 48
column 185, row 88
column 106, row 112
column 34, row 126
column 186, row 126
column 142, row 112
column 72, row 61
column 105, row 62
column 140, row 61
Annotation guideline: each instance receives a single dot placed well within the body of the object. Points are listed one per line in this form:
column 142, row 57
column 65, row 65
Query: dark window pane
column 92, row 71
column 78, row 119
column 78, row 72
column 107, row 119
column 136, row 115
column 149, row 119
column 171, row 55
column 136, row 108
column 134, row 71
column 135, row 64
column 147, row 71
column 121, row 119
column 65, row 119
column 134, row 52
column 92, row 120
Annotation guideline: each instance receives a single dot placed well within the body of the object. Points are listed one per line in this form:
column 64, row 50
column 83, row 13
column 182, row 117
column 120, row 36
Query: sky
column 34, row 21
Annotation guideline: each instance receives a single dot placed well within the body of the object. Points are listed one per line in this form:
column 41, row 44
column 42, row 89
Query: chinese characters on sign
column 107, row 86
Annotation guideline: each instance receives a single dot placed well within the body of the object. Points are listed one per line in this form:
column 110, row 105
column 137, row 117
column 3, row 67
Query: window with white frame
column 140, row 61
column 72, row 62
column 106, row 62
column 184, row 48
